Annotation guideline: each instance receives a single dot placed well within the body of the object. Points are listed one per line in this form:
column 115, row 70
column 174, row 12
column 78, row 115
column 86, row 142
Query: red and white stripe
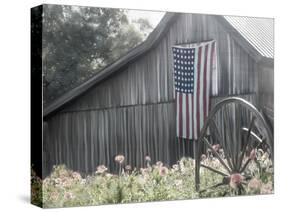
column 192, row 109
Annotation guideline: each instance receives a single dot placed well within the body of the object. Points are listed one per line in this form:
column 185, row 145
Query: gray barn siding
column 266, row 87
column 95, row 137
column 265, row 90
column 133, row 111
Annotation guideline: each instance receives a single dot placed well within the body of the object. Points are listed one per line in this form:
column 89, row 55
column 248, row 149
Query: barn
column 128, row 107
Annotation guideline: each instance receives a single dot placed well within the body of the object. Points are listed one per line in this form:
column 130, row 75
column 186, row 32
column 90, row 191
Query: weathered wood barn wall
column 266, row 88
column 131, row 111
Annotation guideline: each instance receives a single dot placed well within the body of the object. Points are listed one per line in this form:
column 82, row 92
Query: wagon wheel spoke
column 246, row 143
column 244, row 183
column 218, row 135
column 211, row 187
column 248, row 160
column 237, row 134
column 227, row 137
column 241, row 189
column 245, row 165
column 254, row 135
column 213, row 170
column 217, row 155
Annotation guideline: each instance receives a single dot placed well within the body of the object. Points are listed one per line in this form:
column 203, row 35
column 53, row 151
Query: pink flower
column 267, row 189
column 175, row 166
column 254, row 184
column 163, row 171
column 144, row 171
column 66, row 182
column 101, row 169
column 54, row 196
column 216, row 147
column 147, row 158
column 203, row 157
column 119, row 159
column 128, row 168
column 68, row 195
column 76, row 176
column 58, row 181
column 159, row 163
column 221, row 151
column 252, row 155
column 235, row 180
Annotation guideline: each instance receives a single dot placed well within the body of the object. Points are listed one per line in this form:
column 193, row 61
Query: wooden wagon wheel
column 238, row 128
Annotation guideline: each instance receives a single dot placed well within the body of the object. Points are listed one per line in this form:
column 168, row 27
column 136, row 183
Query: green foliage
column 151, row 183
column 36, row 189
column 79, row 41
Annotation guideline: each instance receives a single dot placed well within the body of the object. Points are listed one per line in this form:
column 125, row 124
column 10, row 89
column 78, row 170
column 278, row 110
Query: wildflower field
column 155, row 182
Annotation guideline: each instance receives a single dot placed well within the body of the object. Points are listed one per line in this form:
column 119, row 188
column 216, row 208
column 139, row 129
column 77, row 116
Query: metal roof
column 259, row 32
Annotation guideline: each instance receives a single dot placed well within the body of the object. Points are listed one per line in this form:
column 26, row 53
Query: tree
column 79, row 41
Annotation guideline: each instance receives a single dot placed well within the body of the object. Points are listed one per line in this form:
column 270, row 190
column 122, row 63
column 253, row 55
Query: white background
column 15, row 102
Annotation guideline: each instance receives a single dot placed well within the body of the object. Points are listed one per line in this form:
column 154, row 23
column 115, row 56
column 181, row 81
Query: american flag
column 193, row 67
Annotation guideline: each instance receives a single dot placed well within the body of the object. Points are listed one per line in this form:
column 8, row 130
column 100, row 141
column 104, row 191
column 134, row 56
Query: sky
column 153, row 16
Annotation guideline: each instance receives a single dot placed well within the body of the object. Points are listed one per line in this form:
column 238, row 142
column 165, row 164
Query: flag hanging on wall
column 193, row 67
